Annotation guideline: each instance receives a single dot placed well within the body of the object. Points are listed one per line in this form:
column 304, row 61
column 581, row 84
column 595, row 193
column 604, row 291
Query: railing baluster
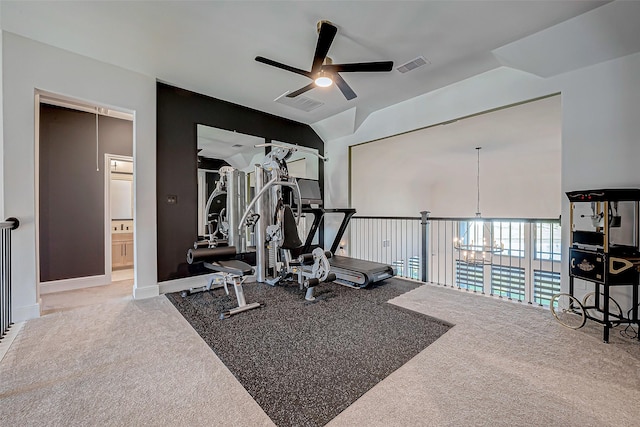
column 430, row 256
column 5, row 274
column 438, row 253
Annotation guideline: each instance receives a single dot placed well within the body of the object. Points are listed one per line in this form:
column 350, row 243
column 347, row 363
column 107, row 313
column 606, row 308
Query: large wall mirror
column 219, row 147
column 179, row 112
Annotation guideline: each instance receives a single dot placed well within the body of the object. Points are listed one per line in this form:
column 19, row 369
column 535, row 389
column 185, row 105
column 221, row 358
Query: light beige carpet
column 121, row 287
column 140, row 363
column 505, row 364
column 122, row 363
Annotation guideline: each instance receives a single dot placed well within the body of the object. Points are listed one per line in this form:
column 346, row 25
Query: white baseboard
column 8, row 339
column 75, row 283
column 178, row 285
column 20, row 314
column 146, row 292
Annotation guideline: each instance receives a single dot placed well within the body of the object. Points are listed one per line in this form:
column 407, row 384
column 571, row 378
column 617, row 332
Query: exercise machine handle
column 293, row 148
column 271, row 183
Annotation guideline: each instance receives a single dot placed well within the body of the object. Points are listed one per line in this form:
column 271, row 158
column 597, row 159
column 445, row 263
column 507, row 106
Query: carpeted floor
column 139, row 362
column 303, row 362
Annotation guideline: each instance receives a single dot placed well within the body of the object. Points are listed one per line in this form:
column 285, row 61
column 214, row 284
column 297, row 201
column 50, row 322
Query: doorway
column 119, row 210
column 76, row 145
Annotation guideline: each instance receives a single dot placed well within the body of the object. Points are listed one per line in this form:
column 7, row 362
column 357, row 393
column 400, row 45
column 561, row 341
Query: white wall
column 487, row 91
column 493, row 89
column 2, row 217
column 600, row 125
column 29, row 65
column 600, row 134
column 435, row 169
column 512, row 185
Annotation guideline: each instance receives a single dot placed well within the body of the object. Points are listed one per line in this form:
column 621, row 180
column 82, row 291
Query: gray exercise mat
column 303, row 362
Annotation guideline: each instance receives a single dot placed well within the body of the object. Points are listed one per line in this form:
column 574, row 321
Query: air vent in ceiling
column 412, row 65
column 300, row 102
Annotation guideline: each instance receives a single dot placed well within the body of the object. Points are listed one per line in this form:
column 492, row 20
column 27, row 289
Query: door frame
column 107, row 208
column 46, row 97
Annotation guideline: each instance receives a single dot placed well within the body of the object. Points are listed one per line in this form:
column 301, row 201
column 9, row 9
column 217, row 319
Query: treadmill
column 352, row 272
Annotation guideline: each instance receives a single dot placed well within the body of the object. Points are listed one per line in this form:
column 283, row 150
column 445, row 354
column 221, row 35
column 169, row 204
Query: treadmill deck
column 358, row 272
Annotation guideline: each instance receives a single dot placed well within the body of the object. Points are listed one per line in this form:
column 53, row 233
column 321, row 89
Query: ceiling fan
column 323, row 71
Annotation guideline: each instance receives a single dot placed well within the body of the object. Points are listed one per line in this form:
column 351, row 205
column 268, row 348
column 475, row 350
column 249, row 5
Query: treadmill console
column 309, row 191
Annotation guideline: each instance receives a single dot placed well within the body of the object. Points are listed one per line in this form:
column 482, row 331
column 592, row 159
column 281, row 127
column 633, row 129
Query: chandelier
column 472, row 240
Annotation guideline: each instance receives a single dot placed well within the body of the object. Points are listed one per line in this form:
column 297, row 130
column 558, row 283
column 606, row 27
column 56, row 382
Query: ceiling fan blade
column 344, row 87
column 325, row 38
column 301, row 90
column 282, row 66
column 359, row 67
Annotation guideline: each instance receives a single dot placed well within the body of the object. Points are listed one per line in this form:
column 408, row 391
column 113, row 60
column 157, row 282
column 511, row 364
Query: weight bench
column 226, row 271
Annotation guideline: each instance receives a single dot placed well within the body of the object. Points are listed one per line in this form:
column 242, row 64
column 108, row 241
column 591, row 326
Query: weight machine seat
column 232, row 266
column 290, row 230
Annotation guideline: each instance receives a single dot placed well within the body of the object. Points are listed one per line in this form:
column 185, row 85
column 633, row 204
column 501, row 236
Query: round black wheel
column 568, row 311
column 589, row 300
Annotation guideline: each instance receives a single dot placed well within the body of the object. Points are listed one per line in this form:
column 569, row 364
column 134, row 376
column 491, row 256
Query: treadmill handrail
column 348, row 213
column 318, row 214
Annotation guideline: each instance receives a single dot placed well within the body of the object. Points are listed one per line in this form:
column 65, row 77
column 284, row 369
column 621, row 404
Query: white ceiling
column 237, row 149
column 209, row 46
column 222, row 144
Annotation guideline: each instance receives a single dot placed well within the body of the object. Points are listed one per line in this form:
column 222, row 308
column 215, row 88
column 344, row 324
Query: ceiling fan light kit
column 323, row 71
column 323, row 80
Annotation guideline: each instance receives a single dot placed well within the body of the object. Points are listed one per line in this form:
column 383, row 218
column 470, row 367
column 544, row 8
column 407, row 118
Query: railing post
column 424, row 262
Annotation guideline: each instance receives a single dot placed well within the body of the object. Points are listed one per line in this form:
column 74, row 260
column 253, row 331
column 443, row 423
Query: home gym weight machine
column 319, row 266
column 276, row 230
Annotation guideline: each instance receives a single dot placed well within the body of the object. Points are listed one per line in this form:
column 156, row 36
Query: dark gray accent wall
column 72, row 220
column 179, row 112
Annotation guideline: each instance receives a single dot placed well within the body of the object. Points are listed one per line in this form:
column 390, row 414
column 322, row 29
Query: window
column 413, row 270
column 507, row 282
column 472, row 233
column 506, row 235
column 548, row 241
column 545, row 284
column 399, row 266
column 509, row 234
column 470, row 276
